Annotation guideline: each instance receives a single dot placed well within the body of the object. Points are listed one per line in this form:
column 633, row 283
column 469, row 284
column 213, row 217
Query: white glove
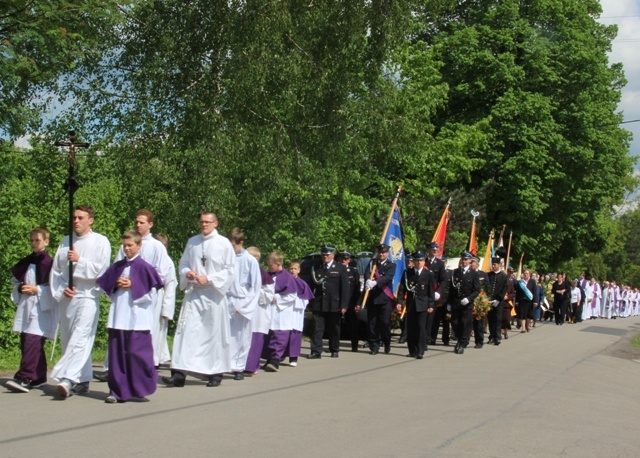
column 437, row 295
column 448, row 307
column 371, row 283
column 464, row 301
column 495, row 303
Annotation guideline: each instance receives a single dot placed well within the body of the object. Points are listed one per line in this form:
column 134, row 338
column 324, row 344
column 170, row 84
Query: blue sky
column 626, row 14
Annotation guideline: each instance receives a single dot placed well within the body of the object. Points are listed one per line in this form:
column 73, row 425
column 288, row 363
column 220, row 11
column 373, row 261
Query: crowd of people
column 238, row 317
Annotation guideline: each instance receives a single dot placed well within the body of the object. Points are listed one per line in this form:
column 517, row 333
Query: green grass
column 10, row 359
column 636, row 341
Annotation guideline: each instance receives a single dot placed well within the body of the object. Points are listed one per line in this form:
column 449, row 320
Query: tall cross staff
column 71, row 185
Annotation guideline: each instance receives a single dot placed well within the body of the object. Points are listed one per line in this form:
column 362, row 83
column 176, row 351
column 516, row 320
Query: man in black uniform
column 331, row 293
column 496, row 291
column 463, row 290
column 479, row 324
column 351, row 316
column 380, row 299
column 401, row 295
column 439, row 314
column 420, row 303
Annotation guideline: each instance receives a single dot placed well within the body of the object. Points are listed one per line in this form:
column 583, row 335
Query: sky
column 626, row 15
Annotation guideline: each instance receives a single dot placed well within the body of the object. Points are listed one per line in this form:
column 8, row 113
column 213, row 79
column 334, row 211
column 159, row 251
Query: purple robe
column 304, row 292
column 43, row 263
column 285, row 282
column 131, row 370
column 142, row 274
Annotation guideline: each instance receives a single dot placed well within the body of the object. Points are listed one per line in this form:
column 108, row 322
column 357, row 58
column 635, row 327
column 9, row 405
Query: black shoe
column 373, row 352
column 354, row 349
column 478, row 345
column 446, row 344
column 80, row 388
column 273, row 365
column 402, row 340
column 496, row 342
column 335, row 354
column 101, row 376
column 491, row 340
column 460, row 350
column 419, row 356
column 175, row 381
column 238, row 375
column 456, row 349
column 216, row 380
column 387, row 348
column 314, row 355
column 411, row 355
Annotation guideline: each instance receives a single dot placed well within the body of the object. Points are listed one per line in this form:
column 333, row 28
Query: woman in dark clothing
column 508, row 304
column 561, row 290
column 526, row 291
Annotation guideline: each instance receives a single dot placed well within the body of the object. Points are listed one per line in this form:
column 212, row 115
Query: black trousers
column 478, row 331
column 495, row 322
column 353, row 325
column 440, row 316
column 462, row 318
column 378, row 316
column 578, row 313
column 561, row 311
column 417, row 332
column 330, row 321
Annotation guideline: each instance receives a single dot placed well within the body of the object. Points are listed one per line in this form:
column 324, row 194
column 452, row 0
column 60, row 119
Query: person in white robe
column 165, row 311
column 282, row 316
column 594, row 300
column 261, row 317
column 201, row 343
column 243, row 296
column 586, row 306
column 36, row 315
column 607, row 300
column 79, row 306
column 155, row 253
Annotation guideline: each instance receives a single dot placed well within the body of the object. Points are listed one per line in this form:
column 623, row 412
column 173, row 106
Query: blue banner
column 395, row 240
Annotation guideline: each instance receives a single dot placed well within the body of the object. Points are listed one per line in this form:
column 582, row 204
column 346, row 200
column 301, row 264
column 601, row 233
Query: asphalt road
column 556, row 391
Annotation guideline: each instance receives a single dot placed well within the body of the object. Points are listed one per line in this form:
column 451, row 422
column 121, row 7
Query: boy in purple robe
column 304, row 296
column 261, row 320
column 131, row 285
column 282, row 308
column 36, row 313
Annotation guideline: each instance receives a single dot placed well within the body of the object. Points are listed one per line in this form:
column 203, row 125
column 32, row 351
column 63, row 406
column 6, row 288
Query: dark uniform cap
column 382, row 248
column 495, row 260
column 418, row 255
column 408, row 256
column 344, row 254
column 475, row 259
column 327, row 249
column 466, row 255
column 432, row 246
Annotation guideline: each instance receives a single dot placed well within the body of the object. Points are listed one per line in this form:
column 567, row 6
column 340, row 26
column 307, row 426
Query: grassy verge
column 635, row 342
column 10, row 360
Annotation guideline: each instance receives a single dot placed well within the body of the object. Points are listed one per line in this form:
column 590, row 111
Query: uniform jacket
column 384, row 276
column 464, row 285
column 421, row 295
column 331, row 289
column 497, row 285
column 440, row 277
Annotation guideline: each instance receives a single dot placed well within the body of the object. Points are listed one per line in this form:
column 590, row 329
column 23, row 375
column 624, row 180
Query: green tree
column 40, row 41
